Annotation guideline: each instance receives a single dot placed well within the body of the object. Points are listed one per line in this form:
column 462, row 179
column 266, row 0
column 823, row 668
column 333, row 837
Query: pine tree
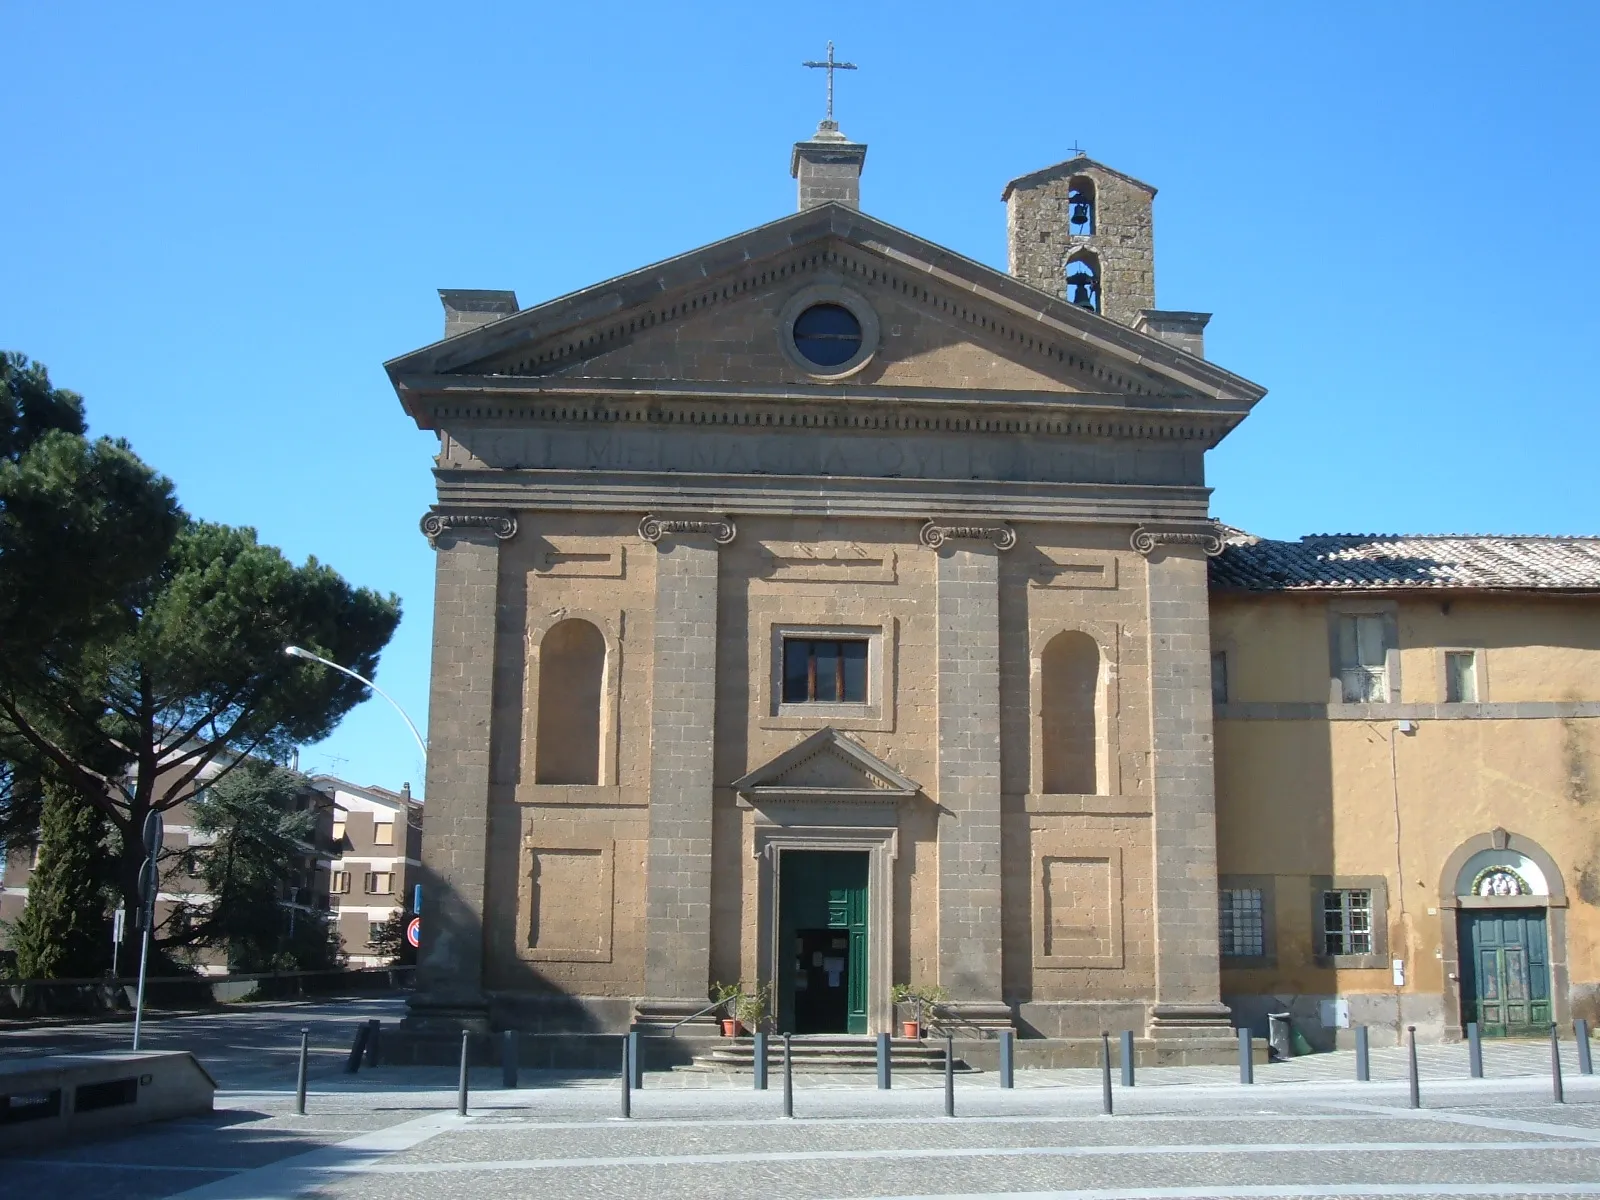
column 64, row 932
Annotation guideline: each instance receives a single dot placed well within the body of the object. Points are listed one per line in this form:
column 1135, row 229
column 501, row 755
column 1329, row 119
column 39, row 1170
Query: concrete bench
column 61, row 1096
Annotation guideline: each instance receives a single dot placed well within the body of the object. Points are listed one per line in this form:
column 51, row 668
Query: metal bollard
column 1363, row 1056
column 1474, row 1050
column 1247, row 1061
column 636, row 1060
column 883, row 1062
column 357, row 1050
column 627, row 1079
column 508, row 1059
column 374, row 1029
column 758, row 1061
column 1104, row 1072
column 1411, row 1045
column 1557, row 1092
column 1008, row 1058
column 949, row 1075
column 300, row 1075
column 461, row 1082
column 1580, row 1030
column 1127, row 1058
column 788, row 1078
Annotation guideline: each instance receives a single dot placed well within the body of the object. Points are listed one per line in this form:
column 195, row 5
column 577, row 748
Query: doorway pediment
column 826, row 767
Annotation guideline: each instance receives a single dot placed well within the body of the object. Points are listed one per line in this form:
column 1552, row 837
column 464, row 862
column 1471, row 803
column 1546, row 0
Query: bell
column 1082, row 295
column 1080, row 213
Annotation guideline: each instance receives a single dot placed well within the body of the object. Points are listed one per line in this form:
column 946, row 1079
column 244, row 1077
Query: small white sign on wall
column 1399, row 972
column 1335, row 1014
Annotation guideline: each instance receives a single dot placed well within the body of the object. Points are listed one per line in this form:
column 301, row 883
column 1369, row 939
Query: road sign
column 153, row 833
column 414, row 932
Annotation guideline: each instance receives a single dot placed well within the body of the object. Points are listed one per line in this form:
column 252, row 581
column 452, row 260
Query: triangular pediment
column 710, row 318
column 826, row 766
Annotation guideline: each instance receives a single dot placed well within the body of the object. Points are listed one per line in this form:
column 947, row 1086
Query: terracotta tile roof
column 1355, row 561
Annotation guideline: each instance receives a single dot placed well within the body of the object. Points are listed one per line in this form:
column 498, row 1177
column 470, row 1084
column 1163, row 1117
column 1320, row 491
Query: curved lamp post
column 297, row 652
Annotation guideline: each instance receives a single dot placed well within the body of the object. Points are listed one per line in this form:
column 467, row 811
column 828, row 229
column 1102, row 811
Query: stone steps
column 813, row 1052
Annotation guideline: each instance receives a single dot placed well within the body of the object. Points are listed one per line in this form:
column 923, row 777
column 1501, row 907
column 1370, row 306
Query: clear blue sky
column 220, row 219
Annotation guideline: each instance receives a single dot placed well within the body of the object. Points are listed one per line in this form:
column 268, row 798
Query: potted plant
column 727, row 996
column 919, row 996
column 751, row 1005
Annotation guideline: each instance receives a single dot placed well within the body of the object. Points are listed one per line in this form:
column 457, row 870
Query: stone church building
column 825, row 610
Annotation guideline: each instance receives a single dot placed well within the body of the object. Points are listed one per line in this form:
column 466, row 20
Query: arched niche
column 570, row 730
column 1070, row 714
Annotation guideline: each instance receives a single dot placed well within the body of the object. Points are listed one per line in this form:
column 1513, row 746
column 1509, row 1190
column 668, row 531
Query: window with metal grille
column 1363, row 658
column 824, row 671
column 1347, row 921
column 1241, row 926
column 1460, row 677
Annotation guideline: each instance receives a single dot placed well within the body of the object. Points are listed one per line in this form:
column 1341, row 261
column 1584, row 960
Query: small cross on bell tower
column 828, row 166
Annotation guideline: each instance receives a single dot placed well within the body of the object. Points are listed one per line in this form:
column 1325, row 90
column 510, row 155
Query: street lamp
column 297, row 652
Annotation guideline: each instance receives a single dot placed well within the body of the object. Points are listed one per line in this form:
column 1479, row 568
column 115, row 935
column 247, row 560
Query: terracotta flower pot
column 730, row 1028
column 911, row 1029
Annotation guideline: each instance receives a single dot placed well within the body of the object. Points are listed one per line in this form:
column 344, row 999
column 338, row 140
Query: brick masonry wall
column 460, row 702
column 969, row 771
column 1183, row 780
column 682, row 741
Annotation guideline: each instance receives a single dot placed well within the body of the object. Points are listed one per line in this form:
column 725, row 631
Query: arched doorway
column 1503, row 917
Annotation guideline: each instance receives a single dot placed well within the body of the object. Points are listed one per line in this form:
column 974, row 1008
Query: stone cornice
column 502, row 525
column 479, row 401
column 721, row 530
column 1146, row 538
column 933, row 534
column 801, row 495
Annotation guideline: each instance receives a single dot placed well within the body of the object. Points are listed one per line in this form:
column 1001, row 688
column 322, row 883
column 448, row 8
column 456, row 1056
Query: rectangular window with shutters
column 824, row 671
column 380, row 883
column 1460, row 677
column 341, row 882
column 383, row 833
column 1346, row 921
column 1241, row 929
column 1364, row 645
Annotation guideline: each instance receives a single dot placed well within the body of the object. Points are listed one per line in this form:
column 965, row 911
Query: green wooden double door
column 1505, row 971
column 822, row 932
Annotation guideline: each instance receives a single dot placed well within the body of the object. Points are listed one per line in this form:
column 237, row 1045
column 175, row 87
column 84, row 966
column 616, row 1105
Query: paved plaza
column 1305, row 1128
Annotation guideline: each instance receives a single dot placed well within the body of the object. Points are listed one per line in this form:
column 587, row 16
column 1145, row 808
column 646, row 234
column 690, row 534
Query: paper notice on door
column 835, row 968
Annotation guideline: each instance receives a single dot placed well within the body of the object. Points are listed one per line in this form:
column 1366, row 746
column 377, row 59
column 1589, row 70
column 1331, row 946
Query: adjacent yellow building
column 1406, row 750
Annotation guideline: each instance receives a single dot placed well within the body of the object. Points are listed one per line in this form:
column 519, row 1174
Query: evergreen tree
column 64, row 932
column 260, row 833
column 144, row 648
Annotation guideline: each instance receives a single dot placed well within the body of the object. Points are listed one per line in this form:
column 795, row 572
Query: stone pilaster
column 968, row 576
column 450, row 961
column 1188, row 1000
column 682, row 740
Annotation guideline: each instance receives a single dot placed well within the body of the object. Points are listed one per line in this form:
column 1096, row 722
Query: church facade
column 824, row 611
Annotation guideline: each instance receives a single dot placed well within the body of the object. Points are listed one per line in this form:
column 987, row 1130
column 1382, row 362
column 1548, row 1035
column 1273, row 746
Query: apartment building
column 377, row 848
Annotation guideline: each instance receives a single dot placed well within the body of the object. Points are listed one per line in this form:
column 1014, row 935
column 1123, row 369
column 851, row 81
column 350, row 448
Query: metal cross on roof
column 1076, row 149
column 830, row 66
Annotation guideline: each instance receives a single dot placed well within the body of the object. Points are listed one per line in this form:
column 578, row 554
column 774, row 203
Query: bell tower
column 1083, row 231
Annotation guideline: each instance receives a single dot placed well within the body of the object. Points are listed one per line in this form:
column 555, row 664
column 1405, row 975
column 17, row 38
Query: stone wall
column 1040, row 242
